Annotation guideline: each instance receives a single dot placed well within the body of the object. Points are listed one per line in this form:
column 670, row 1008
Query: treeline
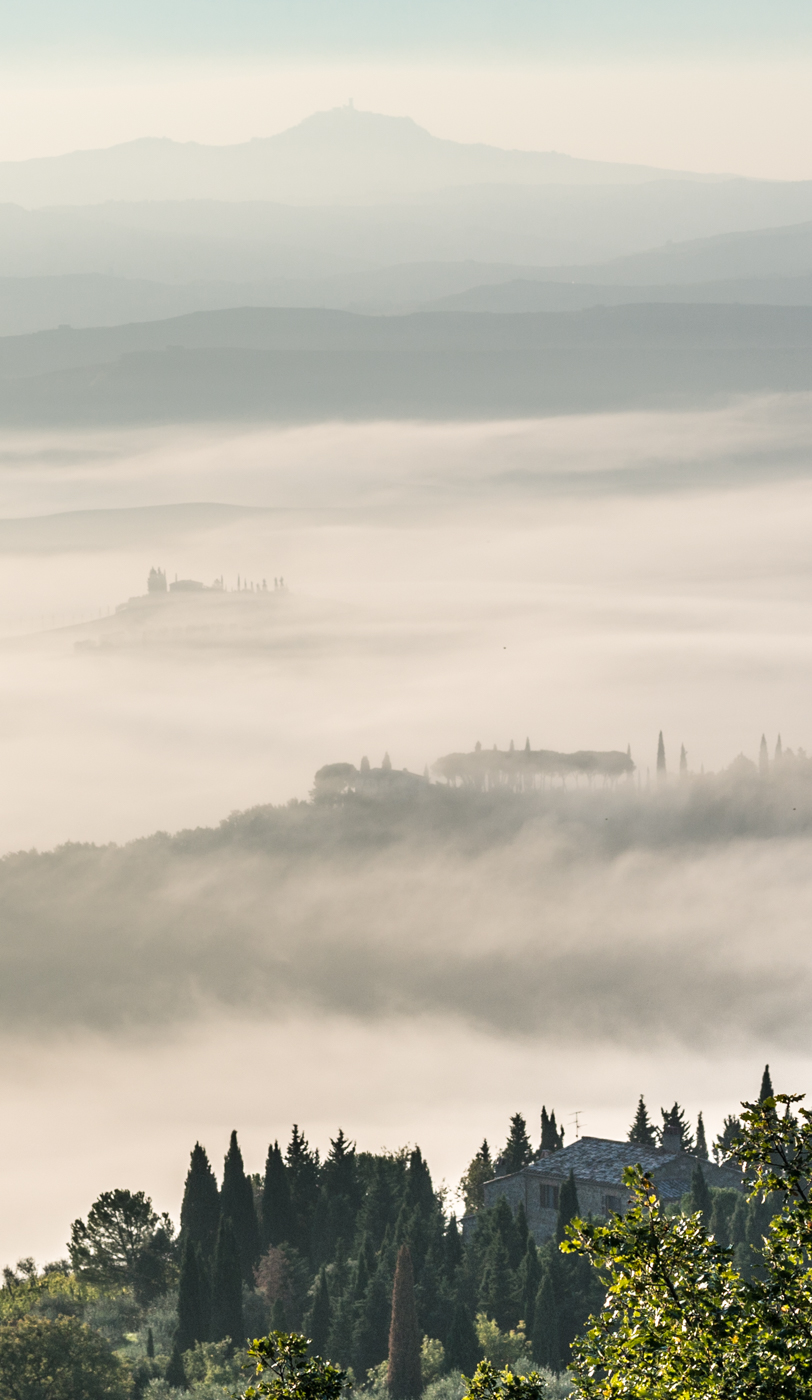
column 312, row 1244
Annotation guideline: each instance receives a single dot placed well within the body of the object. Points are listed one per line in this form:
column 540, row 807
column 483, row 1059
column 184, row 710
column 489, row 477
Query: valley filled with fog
column 423, row 445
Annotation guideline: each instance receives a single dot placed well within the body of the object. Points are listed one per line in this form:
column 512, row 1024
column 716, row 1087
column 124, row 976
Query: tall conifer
column 404, row 1378
column 194, row 1305
column 226, row 1303
column 371, row 1333
column 661, row 770
column 701, row 1148
column 700, row 1195
column 237, row 1205
column 567, row 1207
column 200, row 1211
column 529, row 1281
column 276, row 1225
column 766, row 1091
column 517, row 1150
column 544, row 1337
column 642, row 1129
column 318, row 1325
column 175, row 1375
column 462, row 1349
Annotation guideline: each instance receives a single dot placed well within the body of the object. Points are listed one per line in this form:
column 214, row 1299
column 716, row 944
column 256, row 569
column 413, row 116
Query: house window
column 548, row 1197
column 611, row 1205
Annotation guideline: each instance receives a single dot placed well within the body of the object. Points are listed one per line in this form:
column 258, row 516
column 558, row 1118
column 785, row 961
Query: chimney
column 671, row 1140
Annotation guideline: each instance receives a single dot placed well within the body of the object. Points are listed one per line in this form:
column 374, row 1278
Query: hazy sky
column 722, row 86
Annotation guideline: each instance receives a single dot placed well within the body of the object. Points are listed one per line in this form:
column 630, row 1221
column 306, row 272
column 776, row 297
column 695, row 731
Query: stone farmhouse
column 597, row 1165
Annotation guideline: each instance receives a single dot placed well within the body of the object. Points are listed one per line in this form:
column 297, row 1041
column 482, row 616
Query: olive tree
column 678, row 1319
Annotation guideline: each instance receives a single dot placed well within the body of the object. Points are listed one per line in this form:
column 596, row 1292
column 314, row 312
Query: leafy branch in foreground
column 489, row 1384
column 285, row 1371
column 678, row 1320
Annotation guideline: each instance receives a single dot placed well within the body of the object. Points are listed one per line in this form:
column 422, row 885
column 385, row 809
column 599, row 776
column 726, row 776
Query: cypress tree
column 642, row 1129
column 567, row 1207
column 517, row 1151
column 404, row 1377
column 766, row 1091
column 279, row 1317
column 700, row 1195
column 551, row 1139
column 661, row 757
column 193, row 1300
column 226, row 1303
column 544, row 1337
column 683, row 762
column 498, row 1287
column 200, row 1211
column 237, row 1205
column 303, row 1179
column 529, row 1281
column 276, row 1213
column 175, row 1374
column 462, row 1349
column 150, row 1344
column 701, row 1144
column 453, row 1247
column 371, row 1333
column 320, row 1316
column 522, row 1232
column 763, row 759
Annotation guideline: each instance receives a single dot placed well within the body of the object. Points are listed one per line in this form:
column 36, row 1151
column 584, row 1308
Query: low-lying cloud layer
column 679, row 916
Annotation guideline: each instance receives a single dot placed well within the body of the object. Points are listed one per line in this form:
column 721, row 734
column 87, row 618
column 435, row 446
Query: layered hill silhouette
column 337, row 155
column 303, row 366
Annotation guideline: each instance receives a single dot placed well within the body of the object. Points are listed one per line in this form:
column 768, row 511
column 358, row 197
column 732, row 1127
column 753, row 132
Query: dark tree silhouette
column 766, row 1091
column 200, row 1211
column 318, row 1326
column 462, row 1349
column 517, row 1150
column 567, row 1207
column 404, row 1377
column 660, row 756
column 237, row 1205
column 226, row 1303
column 276, row 1212
column 194, row 1307
column 701, row 1148
column 642, row 1129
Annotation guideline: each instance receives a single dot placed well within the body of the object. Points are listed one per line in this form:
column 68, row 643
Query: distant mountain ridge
column 337, row 156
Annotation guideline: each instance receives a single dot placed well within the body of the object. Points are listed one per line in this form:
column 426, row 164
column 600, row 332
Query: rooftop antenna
column 576, row 1118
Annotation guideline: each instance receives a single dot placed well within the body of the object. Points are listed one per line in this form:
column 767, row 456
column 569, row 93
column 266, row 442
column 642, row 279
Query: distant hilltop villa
column 518, row 770
column 156, row 583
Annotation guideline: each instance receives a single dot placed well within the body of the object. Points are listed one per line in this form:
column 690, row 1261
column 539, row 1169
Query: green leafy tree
column 124, row 1243
column 489, row 1384
column 226, row 1301
column 284, row 1370
column 237, row 1205
column 58, row 1359
column 200, row 1211
column 517, row 1152
column 642, row 1129
column 277, row 1224
column 404, row 1378
column 679, row 1319
column 479, row 1171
